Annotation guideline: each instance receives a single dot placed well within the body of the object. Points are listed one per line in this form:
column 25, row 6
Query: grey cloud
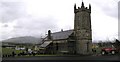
column 111, row 11
column 37, row 23
column 9, row 11
column 25, row 25
column 35, row 27
column 110, row 8
column 5, row 25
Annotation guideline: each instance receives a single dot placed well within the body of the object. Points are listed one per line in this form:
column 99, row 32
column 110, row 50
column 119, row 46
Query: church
column 75, row 41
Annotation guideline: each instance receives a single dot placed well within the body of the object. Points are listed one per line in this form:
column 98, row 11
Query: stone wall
column 83, row 31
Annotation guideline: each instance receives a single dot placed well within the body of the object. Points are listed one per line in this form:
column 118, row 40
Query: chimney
column 49, row 34
column 61, row 30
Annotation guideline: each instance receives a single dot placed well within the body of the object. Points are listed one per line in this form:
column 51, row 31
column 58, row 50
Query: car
column 109, row 50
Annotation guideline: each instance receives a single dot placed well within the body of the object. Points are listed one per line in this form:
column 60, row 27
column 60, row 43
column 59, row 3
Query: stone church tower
column 82, row 29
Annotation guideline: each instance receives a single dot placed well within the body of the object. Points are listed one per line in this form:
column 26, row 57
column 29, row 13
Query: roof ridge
column 62, row 31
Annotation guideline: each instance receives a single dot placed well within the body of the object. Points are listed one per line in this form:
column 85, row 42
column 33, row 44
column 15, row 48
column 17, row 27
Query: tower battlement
column 82, row 8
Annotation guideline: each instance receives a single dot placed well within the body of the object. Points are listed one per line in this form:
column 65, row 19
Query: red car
column 109, row 50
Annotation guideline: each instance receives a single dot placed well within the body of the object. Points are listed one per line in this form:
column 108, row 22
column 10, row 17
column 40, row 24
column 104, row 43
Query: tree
column 117, row 43
column 100, row 44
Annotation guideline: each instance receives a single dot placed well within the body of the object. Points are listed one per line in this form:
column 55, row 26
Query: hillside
column 25, row 39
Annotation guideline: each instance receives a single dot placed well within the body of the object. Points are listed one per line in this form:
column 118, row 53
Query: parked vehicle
column 109, row 51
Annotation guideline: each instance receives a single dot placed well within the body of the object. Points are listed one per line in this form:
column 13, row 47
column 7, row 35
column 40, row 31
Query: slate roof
column 46, row 43
column 57, row 36
column 61, row 35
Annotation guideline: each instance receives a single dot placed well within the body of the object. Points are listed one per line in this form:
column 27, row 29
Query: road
column 69, row 58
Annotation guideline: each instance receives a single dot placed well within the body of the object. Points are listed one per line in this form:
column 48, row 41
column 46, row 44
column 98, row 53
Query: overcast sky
column 36, row 17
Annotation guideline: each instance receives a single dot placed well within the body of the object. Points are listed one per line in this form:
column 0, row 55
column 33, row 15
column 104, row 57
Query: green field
column 8, row 51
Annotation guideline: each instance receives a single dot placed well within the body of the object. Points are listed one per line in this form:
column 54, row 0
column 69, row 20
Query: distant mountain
column 25, row 39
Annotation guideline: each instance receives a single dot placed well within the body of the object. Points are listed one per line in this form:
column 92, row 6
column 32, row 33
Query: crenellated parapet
column 82, row 8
